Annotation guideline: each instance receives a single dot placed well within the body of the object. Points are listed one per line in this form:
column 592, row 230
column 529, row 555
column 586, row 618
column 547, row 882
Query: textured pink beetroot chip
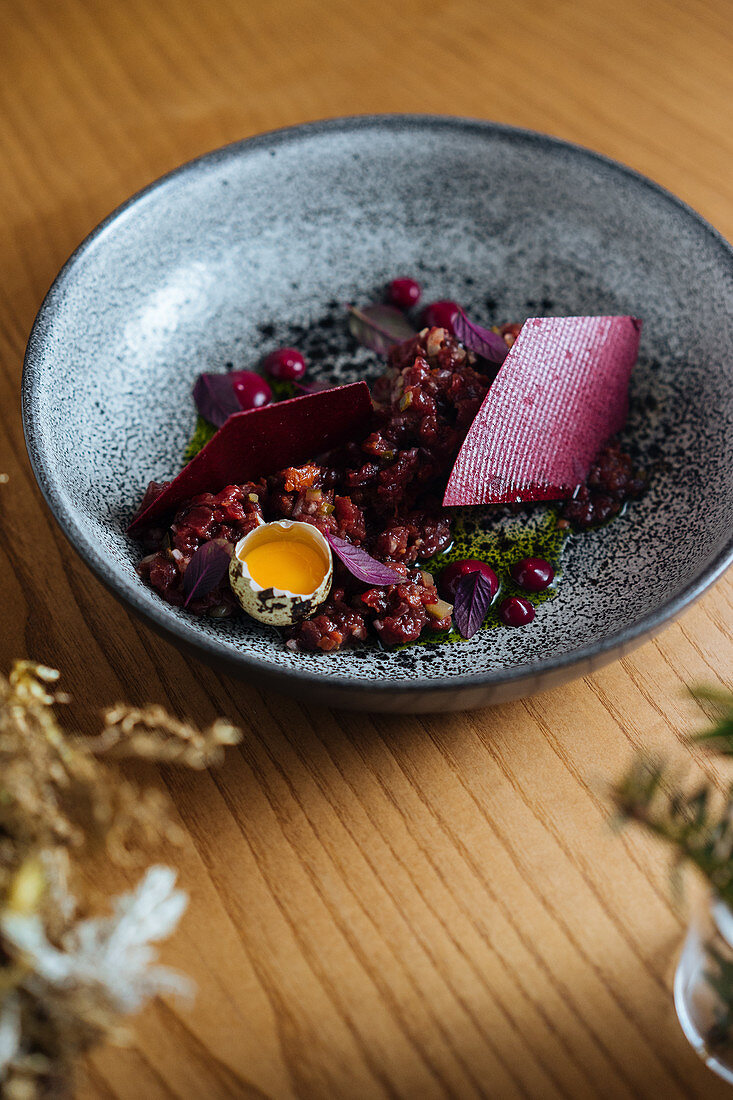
column 258, row 442
column 561, row 393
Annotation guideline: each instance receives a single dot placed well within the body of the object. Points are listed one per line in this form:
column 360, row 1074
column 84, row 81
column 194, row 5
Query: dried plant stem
column 65, row 983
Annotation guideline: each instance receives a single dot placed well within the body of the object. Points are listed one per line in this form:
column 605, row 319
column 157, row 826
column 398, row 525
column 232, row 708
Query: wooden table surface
column 380, row 906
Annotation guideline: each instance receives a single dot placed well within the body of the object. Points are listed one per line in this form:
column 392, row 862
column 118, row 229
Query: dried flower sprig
column 152, row 734
column 66, row 983
column 54, row 792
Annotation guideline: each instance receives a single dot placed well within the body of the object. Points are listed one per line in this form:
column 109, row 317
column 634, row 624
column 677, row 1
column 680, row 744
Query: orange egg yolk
column 291, row 564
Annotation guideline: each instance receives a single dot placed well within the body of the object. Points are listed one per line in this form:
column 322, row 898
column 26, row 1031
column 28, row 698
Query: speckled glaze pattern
column 260, row 243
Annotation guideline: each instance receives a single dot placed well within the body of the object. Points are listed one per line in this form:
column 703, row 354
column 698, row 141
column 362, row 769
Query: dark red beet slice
column 260, row 441
column 560, row 394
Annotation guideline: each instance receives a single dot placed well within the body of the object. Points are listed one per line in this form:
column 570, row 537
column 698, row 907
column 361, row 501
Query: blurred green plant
column 697, row 823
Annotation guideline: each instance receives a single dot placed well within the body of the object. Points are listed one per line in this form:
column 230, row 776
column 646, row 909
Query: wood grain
column 380, row 906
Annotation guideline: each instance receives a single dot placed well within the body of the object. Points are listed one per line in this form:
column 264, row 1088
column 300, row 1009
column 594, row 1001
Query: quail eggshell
column 278, row 606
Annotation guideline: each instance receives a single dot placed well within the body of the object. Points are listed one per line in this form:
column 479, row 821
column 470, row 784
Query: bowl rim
column 320, row 678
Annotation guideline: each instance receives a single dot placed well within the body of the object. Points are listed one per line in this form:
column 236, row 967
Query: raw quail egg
column 281, row 572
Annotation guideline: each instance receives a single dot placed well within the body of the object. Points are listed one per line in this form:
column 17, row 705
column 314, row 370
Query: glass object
column 703, row 986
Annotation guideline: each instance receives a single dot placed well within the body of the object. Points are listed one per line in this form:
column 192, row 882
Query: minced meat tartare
column 382, row 493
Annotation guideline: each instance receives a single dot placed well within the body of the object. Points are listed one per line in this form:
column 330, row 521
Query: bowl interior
column 262, row 243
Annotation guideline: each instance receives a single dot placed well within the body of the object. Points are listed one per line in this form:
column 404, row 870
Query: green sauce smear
column 203, row 432
column 500, row 543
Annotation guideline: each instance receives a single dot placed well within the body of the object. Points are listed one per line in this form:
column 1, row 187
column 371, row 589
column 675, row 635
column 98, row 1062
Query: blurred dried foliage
column 66, row 982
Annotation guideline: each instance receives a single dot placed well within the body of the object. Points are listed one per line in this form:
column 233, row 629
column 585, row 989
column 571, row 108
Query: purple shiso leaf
column 472, row 600
column 215, row 398
column 379, row 327
column 362, row 565
column 208, row 566
column 481, row 340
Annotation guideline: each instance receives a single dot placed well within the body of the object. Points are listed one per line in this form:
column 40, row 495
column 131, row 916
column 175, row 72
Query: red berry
column 251, row 389
column 285, row 364
column 453, row 573
column 404, row 293
column 533, row 574
column 440, row 315
column 516, row 611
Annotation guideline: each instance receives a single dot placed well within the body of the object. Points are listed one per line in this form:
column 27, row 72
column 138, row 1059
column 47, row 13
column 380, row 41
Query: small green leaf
column 282, row 390
column 203, row 432
column 719, row 738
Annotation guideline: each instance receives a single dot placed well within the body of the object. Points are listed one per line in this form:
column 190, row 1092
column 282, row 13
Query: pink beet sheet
column 560, row 394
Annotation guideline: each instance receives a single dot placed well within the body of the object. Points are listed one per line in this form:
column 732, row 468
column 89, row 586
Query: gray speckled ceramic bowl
column 258, row 244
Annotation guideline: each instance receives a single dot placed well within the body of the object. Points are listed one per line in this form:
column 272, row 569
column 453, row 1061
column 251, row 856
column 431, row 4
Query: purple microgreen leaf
column 215, row 398
column 473, row 598
column 379, row 327
column 207, row 567
column 489, row 345
column 315, row 387
column 362, row 565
